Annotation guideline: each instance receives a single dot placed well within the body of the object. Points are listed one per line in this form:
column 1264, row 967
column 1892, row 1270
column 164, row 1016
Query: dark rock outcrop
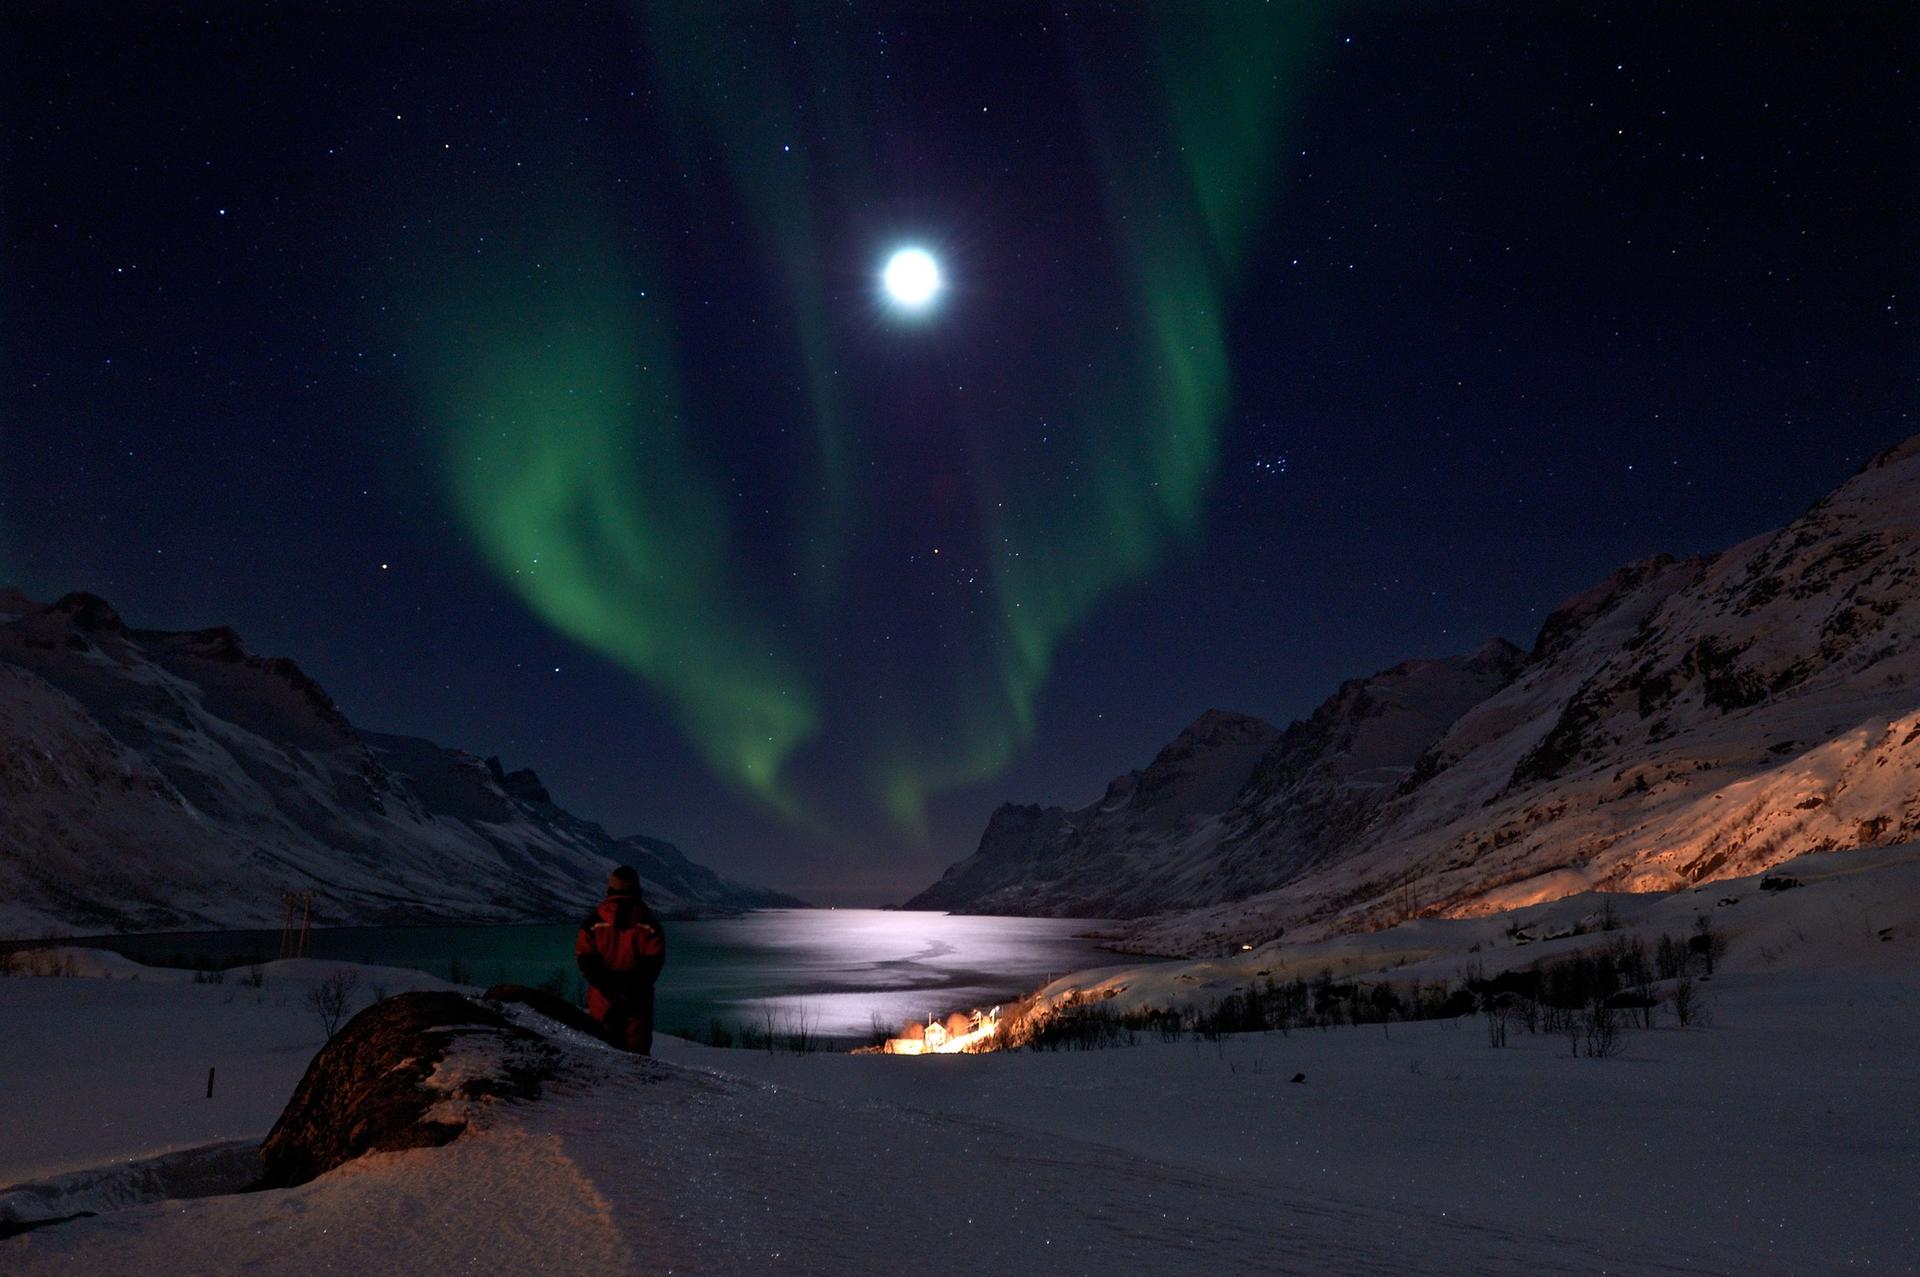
column 372, row 1088
column 550, row 1005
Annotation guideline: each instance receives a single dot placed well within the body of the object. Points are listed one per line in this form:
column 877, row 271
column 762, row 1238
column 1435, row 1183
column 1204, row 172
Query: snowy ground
column 1784, row 1138
column 112, row 1065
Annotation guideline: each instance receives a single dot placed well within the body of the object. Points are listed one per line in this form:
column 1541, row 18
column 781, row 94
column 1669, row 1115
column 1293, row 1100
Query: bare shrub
column 803, row 1032
column 768, row 1034
column 330, row 998
column 1708, row 943
column 1496, row 1010
column 1090, row 1026
column 1669, row 957
column 1164, row 1021
column 1686, row 1002
column 1602, row 1025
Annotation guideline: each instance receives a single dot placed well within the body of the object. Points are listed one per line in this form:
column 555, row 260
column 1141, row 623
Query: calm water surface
column 840, row 968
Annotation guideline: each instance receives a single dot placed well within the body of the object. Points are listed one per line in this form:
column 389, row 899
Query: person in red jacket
column 621, row 949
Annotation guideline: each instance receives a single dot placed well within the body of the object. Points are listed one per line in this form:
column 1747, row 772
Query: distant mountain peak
column 1225, row 725
column 88, row 612
column 523, row 784
column 1495, row 652
column 1565, row 622
column 1902, row 451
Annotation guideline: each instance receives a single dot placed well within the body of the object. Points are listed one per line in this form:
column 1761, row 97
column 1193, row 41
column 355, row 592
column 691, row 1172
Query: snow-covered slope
column 153, row 780
column 1777, row 1138
column 1087, row 863
column 1685, row 720
column 1231, row 807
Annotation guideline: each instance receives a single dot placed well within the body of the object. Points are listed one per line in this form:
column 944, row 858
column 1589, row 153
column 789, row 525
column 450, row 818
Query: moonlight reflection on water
column 845, row 967
column 840, row 968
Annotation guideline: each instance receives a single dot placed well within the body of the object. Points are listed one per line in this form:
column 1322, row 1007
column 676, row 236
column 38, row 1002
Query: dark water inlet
column 839, row 970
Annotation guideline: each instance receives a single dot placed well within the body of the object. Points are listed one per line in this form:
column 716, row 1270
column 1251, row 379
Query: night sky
column 524, row 371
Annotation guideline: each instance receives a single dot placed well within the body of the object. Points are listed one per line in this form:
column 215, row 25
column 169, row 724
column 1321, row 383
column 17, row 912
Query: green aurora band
column 567, row 455
column 1150, row 414
column 569, row 468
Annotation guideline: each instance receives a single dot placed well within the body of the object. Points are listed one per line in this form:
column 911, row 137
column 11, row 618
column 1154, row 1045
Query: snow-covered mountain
column 1233, row 806
column 1051, row 861
column 1683, row 721
column 153, row 780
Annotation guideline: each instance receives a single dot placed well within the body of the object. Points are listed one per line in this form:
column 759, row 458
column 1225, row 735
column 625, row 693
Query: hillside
column 1683, row 721
column 152, row 780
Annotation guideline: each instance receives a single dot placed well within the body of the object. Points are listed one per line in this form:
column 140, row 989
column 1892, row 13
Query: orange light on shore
column 955, row 1034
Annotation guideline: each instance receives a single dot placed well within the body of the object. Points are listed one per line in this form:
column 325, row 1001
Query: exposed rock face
column 152, row 780
column 402, row 1074
column 1685, row 720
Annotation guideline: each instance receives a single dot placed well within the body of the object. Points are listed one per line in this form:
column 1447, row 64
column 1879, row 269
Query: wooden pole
column 209, row 1083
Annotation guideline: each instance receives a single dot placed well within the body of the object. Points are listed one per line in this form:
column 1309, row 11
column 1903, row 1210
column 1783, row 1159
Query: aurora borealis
column 577, row 444
column 527, row 373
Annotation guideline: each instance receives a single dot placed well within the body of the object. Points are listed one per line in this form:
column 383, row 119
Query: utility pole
column 296, row 941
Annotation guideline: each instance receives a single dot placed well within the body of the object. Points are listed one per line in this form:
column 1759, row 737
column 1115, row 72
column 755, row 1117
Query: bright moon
column 912, row 277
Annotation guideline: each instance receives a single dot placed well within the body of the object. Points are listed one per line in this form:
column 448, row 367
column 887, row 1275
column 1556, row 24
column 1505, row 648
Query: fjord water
column 840, row 969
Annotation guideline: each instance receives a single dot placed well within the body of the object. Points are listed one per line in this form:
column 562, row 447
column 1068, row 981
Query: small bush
column 1602, row 1025
column 1669, row 957
column 1496, row 1011
column 1705, row 942
column 802, row 1032
column 1078, row 1026
column 329, row 998
column 1685, row 1000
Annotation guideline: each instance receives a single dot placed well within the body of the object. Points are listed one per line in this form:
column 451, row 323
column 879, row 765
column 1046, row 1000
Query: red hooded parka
column 621, row 949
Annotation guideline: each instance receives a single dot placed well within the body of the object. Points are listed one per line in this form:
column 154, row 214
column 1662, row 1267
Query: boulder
column 378, row 1086
column 550, row 1005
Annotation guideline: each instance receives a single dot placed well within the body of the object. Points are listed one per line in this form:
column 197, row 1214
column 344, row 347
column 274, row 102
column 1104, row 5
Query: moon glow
column 912, row 278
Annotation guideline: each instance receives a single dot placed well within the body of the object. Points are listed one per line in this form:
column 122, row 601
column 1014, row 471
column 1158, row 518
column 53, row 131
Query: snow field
column 1781, row 1138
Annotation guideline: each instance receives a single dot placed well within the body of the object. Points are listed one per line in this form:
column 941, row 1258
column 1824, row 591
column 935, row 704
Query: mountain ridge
column 1683, row 719
column 156, row 779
